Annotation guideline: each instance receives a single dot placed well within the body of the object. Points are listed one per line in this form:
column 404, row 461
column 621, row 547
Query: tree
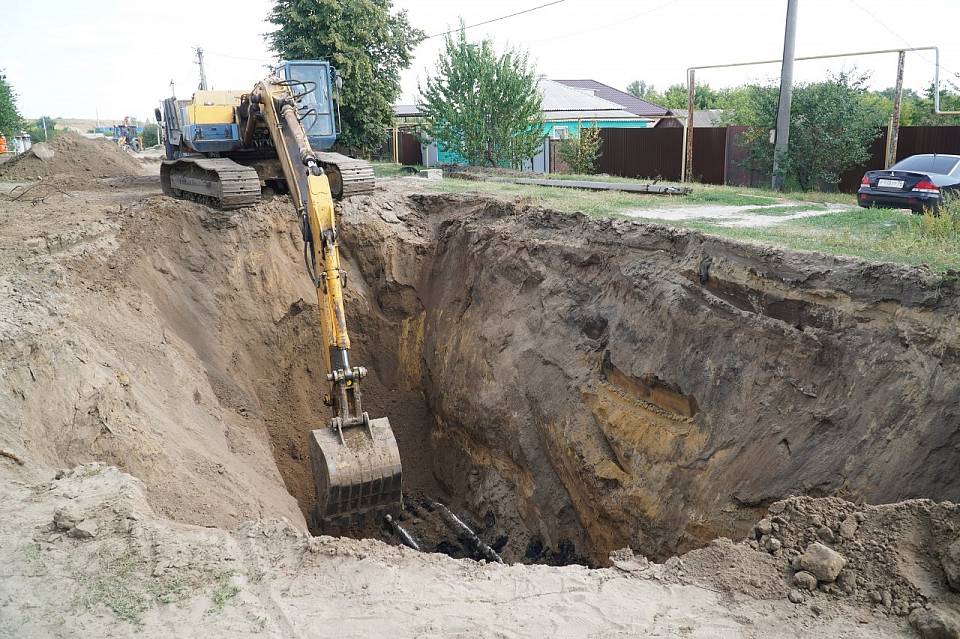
column 39, row 133
column 10, row 120
column 481, row 105
column 151, row 134
column 642, row 90
column 831, row 128
column 581, row 151
column 368, row 46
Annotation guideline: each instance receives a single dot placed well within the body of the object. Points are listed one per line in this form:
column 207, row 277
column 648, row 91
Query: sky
column 111, row 58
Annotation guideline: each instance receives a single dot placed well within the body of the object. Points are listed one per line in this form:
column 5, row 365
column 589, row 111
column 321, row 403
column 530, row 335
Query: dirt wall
column 617, row 384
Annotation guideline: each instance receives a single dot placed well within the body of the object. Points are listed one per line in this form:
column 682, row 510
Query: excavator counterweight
column 220, row 147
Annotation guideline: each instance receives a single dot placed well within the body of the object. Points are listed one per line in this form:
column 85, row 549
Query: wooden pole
column 688, row 129
column 895, row 116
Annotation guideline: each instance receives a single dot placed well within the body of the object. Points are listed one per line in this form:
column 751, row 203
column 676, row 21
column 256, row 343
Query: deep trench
column 569, row 386
column 430, row 477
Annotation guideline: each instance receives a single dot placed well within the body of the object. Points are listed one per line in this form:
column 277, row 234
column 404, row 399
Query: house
column 710, row 118
column 626, row 101
column 567, row 105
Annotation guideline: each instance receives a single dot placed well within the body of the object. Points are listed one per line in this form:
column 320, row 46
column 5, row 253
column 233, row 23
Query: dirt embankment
column 571, row 385
column 615, row 384
column 69, row 159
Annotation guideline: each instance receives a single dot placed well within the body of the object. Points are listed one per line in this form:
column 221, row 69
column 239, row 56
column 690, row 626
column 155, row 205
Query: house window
column 560, row 133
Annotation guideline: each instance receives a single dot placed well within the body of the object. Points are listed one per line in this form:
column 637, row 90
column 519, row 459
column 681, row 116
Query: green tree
column 481, row 105
column 582, row 150
column 831, row 128
column 642, row 90
column 675, row 97
column 365, row 42
column 151, row 134
column 10, row 120
column 39, row 133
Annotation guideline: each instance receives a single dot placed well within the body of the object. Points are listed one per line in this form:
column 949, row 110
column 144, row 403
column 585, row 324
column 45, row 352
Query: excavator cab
column 315, row 86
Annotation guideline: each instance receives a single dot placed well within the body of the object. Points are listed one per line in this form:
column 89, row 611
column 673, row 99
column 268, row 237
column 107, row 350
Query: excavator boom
column 355, row 459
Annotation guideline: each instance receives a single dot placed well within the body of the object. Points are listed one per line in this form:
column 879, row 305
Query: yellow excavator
column 223, row 148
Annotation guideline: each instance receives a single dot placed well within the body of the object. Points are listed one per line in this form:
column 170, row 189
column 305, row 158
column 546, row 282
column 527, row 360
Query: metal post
column 895, row 116
column 782, row 141
column 688, row 129
column 203, row 73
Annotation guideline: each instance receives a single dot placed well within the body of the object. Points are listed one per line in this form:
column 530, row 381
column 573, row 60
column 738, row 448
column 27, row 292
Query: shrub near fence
column 717, row 156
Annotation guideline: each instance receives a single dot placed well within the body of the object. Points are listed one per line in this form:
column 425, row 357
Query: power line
column 619, row 21
column 480, row 24
column 897, row 35
column 235, row 57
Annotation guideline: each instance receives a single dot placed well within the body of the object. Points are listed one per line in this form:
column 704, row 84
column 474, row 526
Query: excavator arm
column 355, row 459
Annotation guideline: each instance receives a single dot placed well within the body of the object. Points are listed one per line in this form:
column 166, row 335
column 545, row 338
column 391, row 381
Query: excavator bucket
column 357, row 478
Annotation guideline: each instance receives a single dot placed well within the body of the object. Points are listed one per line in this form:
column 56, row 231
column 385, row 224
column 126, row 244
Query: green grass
column 597, row 202
column 767, row 195
column 874, row 234
column 388, row 169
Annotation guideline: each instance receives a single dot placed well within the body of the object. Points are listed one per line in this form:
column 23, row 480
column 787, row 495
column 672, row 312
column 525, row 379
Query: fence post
column 687, row 165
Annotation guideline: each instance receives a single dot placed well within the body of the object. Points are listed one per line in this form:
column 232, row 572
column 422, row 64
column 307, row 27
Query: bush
column 581, row 151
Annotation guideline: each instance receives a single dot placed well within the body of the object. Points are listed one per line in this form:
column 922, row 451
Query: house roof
column 406, row 110
column 701, row 117
column 626, row 101
column 562, row 102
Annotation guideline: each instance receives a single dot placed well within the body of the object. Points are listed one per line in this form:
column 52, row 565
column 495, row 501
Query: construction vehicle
column 223, row 148
column 126, row 136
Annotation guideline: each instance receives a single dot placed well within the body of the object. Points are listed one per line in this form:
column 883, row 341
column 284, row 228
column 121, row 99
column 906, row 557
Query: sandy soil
column 165, row 353
column 140, row 575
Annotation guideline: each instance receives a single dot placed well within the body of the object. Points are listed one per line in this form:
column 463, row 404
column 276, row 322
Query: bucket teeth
column 356, row 479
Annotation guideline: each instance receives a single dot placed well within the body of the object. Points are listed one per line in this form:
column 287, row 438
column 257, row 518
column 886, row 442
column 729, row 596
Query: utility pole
column 203, row 73
column 894, row 131
column 782, row 141
column 43, row 121
column 687, row 164
column 173, row 92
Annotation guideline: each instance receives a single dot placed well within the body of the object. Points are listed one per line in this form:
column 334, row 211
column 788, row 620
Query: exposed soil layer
column 567, row 385
column 615, row 383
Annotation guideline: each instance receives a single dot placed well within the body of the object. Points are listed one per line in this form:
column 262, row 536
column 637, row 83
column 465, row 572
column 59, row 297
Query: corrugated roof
column 701, row 117
column 406, row 110
column 624, row 100
column 564, row 102
column 560, row 102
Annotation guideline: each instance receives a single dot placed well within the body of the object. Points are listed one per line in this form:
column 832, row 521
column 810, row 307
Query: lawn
column 874, row 234
column 602, row 202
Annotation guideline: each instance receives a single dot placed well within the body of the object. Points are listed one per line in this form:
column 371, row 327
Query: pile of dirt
column 900, row 557
column 71, row 156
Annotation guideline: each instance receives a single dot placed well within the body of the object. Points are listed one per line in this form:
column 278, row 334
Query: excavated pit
column 566, row 385
column 571, row 386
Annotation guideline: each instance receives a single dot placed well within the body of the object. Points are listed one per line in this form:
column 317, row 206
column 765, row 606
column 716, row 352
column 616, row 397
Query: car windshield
column 941, row 164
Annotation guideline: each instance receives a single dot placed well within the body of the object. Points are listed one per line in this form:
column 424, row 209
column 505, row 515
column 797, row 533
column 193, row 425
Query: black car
column 918, row 182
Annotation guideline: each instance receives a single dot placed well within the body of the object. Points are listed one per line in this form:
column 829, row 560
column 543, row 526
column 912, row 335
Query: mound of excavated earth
column 71, row 158
column 571, row 387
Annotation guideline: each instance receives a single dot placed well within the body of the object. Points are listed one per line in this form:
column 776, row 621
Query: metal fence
column 719, row 155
